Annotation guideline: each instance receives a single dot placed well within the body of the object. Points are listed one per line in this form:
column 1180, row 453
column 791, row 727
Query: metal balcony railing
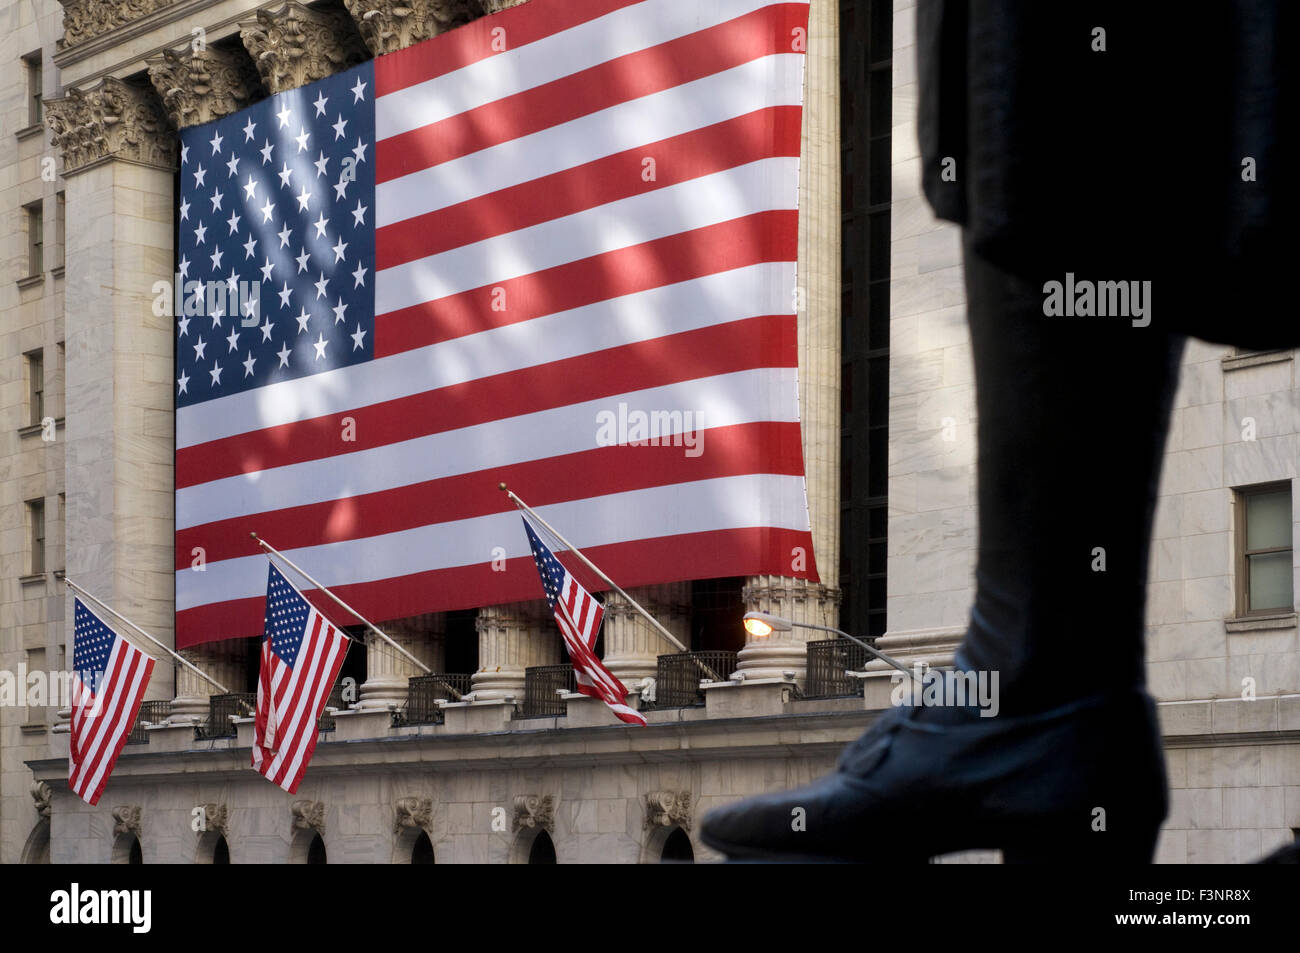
column 326, row 721
column 220, row 710
column 153, row 712
column 423, row 693
column 542, row 685
column 678, row 681
column 827, row 663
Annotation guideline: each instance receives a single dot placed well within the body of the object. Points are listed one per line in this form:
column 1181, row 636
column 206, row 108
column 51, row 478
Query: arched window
column 677, row 848
column 308, row 848
column 212, row 849
column 422, row 851
column 37, row 849
column 543, row 849
column 316, row 851
column 126, row 850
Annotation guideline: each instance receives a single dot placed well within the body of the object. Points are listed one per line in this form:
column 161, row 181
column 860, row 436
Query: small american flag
column 302, row 653
column 579, row 615
column 110, row 677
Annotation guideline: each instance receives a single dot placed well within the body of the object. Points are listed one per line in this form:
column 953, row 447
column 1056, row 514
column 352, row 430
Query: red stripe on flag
column 769, row 236
column 766, row 341
column 758, row 135
column 473, row 42
column 748, row 551
column 762, row 33
column 766, row 447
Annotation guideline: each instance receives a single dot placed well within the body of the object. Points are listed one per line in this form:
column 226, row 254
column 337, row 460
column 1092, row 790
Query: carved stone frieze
column 496, row 6
column 389, row 25
column 668, row 808
column 309, row 815
column 112, row 119
column 85, row 19
column 215, row 817
column 296, row 45
column 126, row 819
column 412, row 812
column 197, row 86
column 534, row 811
column 42, row 795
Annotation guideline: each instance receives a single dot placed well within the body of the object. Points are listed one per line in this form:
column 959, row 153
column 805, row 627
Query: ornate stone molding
column 309, row 815
column 215, row 817
column 389, row 25
column 113, row 119
column 668, row 808
column 42, row 795
column 412, row 812
column 777, row 590
column 199, row 86
column 126, row 819
column 296, row 45
column 496, row 6
column 534, row 811
column 85, row 19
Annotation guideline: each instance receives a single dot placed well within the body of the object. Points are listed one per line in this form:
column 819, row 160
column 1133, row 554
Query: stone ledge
column 747, row 698
column 1234, row 362
column 778, row 736
column 27, row 132
column 1262, row 623
column 31, row 281
column 362, row 723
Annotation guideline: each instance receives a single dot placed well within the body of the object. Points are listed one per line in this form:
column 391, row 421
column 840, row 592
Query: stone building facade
column 93, row 159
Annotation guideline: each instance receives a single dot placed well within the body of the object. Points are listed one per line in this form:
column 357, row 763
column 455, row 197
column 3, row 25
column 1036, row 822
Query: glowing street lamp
column 762, row 625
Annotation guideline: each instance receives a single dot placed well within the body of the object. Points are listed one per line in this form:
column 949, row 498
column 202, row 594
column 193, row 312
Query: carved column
column 199, row 86
column 227, row 662
column 296, row 44
column 632, row 645
column 819, row 363
column 116, row 148
column 510, row 639
column 387, row 670
column 387, row 26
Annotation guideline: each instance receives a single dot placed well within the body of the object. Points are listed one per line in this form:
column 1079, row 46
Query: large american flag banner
column 302, row 653
column 553, row 247
column 109, row 679
column 578, row 615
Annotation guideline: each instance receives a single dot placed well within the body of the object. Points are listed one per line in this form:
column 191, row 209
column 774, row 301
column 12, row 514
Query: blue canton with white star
column 281, row 194
column 92, row 644
column 286, row 617
column 551, row 569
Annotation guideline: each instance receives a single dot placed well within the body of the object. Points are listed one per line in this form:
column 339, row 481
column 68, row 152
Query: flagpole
column 271, row 550
column 592, row 566
column 103, row 605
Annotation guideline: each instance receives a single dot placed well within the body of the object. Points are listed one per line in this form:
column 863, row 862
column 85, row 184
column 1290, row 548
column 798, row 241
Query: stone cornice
column 390, row 25
column 113, row 119
column 777, row 736
column 296, row 45
column 85, row 19
column 197, row 86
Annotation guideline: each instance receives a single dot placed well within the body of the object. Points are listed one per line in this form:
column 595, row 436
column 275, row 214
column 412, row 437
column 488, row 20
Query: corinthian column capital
column 113, row 119
column 389, row 25
column 197, row 86
column 296, row 45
